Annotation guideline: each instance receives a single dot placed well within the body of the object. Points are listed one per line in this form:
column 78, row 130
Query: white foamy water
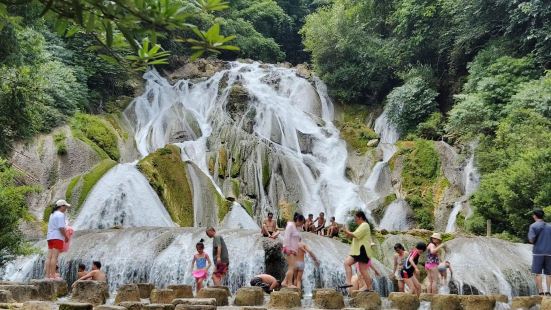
column 292, row 116
column 457, row 206
column 395, row 217
column 238, row 218
column 122, row 198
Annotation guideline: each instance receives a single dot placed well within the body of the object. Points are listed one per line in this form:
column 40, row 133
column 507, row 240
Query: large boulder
column 220, row 294
column 127, row 292
column 194, row 301
column 145, row 289
column 446, row 302
column 36, row 305
column 6, row 296
column 404, row 301
column 292, row 289
column 92, row 292
column 426, row 297
column 21, row 292
column 546, row 303
column 75, row 306
column 366, row 300
column 525, row 302
column 181, row 290
column 162, row 296
column 328, row 299
column 284, row 300
column 477, row 302
column 61, row 287
column 500, row 298
column 249, row 296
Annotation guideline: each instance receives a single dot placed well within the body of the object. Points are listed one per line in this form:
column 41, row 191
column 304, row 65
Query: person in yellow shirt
column 360, row 251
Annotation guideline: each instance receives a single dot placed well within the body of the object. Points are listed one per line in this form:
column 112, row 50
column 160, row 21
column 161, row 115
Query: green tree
column 14, row 206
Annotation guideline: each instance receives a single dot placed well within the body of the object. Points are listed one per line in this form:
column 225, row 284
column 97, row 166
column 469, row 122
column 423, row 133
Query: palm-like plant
column 210, row 41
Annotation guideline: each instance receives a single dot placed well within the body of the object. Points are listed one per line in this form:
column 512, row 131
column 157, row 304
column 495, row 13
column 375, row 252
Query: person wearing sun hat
column 56, row 236
column 432, row 262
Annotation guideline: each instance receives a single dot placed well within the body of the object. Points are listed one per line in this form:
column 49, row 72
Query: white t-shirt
column 57, row 221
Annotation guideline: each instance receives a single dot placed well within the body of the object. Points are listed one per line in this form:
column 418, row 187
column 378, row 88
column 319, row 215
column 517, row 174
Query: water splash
column 122, row 198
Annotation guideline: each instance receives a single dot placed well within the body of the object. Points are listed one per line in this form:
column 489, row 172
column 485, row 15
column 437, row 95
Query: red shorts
column 221, row 269
column 55, row 244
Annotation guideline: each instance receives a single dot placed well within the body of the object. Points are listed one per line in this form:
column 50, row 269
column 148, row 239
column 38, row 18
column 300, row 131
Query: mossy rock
column 287, row 210
column 248, row 205
column 354, row 129
column 97, row 133
column 81, row 185
column 167, row 174
column 222, row 162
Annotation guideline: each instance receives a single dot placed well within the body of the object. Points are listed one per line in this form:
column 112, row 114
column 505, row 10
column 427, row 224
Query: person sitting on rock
column 309, row 224
column 333, row 229
column 321, row 224
column 269, row 227
column 96, row 274
column 299, row 263
column 81, row 271
column 266, row 282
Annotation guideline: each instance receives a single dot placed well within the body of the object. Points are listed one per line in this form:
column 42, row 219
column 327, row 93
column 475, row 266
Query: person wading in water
column 361, row 245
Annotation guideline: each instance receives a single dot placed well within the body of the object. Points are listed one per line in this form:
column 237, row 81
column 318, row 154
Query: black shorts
column 362, row 258
column 258, row 282
column 407, row 273
column 269, row 234
column 541, row 264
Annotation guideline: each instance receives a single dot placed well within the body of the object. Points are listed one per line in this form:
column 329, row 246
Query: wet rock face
column 6, row 296
column 274, row 260
column 526, row 302
column 446, row 302
column 46, row 289
column 201, row 68
column 477, row 302
column 20, row 293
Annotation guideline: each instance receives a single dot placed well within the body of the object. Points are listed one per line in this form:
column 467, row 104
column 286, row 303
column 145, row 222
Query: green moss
column 167, row 174
column 223, row 205
column 235, row 166
column 222, row 162
column 354, row 129
column 90, row 179
column 389, row 199
column 235, row 187
column 212, row 162
column 422, row 179
column 266, row 172
column 248, row 205
column 92, row 130
column 71, row 187
column 114, row 120
column 40, row 148
column 60, row 141
column 286, row 211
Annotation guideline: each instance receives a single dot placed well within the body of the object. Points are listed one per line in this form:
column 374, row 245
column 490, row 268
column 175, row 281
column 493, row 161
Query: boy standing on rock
column 219, row 255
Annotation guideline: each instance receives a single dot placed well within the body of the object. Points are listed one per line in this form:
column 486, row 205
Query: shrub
column 410, row 104
column 432, row 128
column 60, row 143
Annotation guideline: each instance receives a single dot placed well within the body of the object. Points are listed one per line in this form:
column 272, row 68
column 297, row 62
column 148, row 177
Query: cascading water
column 294, row 150
column 238, row 218
column 396, row 217
column 122, row 198
column 457, row 206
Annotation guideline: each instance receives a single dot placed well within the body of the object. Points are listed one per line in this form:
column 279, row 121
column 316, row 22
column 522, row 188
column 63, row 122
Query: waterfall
column 122, row 198
column 471, row 178
column 238, row 218
column 457, row 206
column 388, row 136
column 395, row 217
column 282, row 120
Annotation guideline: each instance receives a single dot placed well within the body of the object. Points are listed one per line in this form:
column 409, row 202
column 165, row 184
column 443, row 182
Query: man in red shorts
column 220, row 256
column 56, row 236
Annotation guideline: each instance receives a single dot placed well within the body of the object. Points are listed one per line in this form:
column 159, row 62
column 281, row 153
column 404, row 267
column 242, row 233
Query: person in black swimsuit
column 410, row 271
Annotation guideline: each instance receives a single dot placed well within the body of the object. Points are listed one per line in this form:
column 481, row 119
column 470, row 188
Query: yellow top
column 362, row 236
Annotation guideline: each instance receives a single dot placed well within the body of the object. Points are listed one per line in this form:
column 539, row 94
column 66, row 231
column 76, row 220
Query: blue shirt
column 540, row 235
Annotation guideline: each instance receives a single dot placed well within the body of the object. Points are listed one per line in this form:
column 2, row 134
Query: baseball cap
column 61, row 203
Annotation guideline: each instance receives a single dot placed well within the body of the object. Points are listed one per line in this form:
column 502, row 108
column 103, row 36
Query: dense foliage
column 14, row 207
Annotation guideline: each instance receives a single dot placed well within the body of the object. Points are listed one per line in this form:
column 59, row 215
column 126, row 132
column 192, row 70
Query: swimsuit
column 201, row 272
column 300, row 266
column 432, row 261
column 407, row 269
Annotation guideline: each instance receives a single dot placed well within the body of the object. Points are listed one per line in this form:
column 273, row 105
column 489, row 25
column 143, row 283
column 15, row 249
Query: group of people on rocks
column 317, row 226
column 405, row 263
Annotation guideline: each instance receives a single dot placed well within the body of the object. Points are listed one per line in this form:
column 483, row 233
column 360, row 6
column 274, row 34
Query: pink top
column 291, row 237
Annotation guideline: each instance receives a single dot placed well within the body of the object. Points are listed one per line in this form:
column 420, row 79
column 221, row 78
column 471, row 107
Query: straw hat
column 436, row 236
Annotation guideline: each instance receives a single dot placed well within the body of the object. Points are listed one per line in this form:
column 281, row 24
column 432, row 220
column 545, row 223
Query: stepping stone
column 284, row 300
column 133, row 305
column 328, row 299
column 194, row 301
column 37, row 305
column 109, row 307
column 90, row 292
column 159, row 307
column 75, row 306
column 21, row 293
column 220, row 294
column 181, row 290
column 404, row 301
column 249, row 296
column 162, row 296
column 145, row 289
column 366, row 300
column 127, row 292
column 477, row 302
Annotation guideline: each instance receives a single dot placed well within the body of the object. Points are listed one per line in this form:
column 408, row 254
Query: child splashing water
column 200, row 260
